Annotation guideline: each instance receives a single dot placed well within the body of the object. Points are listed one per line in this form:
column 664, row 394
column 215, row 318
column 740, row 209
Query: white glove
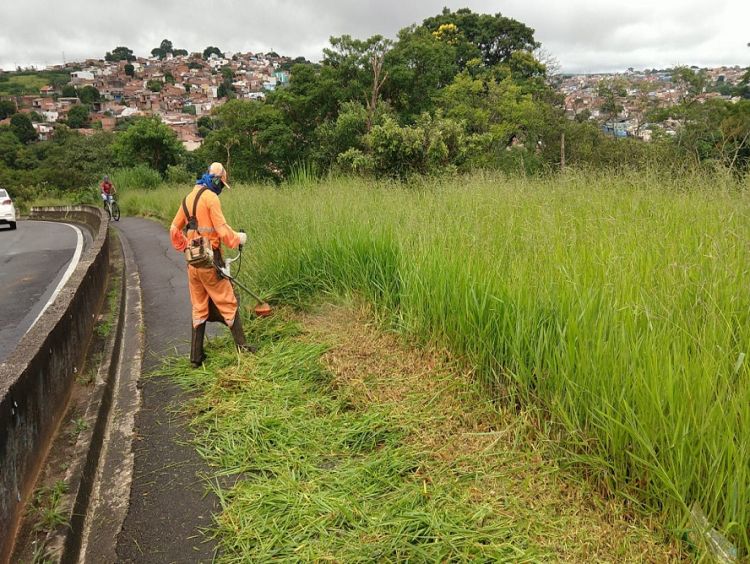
column 243, row 238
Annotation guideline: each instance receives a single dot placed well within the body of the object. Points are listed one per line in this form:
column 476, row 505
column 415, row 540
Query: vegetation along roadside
column 616, row 304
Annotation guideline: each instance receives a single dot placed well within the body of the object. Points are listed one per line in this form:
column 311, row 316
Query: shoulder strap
column 198, row 197
column 192, row 221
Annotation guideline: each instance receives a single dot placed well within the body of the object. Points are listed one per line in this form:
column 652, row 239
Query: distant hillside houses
column 181, row 89
column 178, row 89
column 637, row 93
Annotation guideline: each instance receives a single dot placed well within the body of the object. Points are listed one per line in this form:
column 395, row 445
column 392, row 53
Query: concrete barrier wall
column 36, row 381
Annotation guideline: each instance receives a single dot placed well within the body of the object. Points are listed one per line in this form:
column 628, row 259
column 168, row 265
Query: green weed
column 617, row 303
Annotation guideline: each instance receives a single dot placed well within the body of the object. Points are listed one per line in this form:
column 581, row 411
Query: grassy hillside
column 29, row 82
column 621, row 305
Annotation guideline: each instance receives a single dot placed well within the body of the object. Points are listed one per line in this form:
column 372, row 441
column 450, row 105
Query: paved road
column 33, row 260
column 168, row 507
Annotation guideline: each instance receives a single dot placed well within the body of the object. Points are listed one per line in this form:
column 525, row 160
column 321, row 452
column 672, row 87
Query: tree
column 69, row 91
column 205, row 125
column 23, row 129
column 612, row 92
column 129, row 70
column 346, row 132
column 690, row 82
column 312, row 96
column 180, row 52
column 78, row 116
column 419, row 66
column 7, row 108
column 169, row 77
column 208, row 51
column 148, row 141
column 9, row 148
column 227, row 73
column 377, row 55
column 72, row 160
column 164, row 48
column 349, row 62
column 155, row 85
column 120, row 54
column 492, row 38
column 431, row 145
column 88, row 95
column 255, row 137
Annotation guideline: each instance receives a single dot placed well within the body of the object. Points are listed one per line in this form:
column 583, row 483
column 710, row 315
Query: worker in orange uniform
column 198, row 229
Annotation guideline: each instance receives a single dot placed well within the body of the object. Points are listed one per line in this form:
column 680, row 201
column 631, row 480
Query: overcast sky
column 583, row 35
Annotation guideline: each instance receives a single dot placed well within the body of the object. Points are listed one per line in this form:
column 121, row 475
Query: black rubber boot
column 239, row 336
column 197, row 355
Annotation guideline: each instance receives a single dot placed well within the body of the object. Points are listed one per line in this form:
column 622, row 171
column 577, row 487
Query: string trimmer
column 262, row 309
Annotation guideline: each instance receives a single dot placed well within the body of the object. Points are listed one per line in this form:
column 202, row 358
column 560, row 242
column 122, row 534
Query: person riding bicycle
column 107, row 190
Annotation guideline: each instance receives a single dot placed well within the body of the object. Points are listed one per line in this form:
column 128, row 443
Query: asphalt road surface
column 33, row 261
column 169, row 504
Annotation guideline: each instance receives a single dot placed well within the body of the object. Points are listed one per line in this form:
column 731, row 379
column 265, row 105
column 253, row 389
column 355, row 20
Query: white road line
column 68, row 273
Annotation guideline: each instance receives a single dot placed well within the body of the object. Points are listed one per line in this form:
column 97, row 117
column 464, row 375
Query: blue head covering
column 207, row 180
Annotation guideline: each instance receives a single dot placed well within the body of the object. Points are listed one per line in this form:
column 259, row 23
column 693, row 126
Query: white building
column 82, row 75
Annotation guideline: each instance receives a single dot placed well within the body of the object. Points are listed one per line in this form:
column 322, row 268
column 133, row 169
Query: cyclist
column 107, row 190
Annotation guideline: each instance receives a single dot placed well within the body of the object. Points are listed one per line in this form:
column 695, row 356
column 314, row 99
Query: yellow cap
column 217, row 169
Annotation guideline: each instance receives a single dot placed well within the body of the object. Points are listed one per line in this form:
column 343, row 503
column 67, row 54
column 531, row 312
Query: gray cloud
column 583, row 35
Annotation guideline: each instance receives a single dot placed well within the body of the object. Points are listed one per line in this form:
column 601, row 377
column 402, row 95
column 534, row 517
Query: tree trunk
column 377, row 83
column 562, row 151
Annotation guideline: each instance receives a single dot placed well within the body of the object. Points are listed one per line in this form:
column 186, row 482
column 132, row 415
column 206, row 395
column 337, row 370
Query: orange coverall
column 205, row 283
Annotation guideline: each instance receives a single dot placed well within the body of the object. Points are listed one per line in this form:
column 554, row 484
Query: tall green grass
column 620, row 304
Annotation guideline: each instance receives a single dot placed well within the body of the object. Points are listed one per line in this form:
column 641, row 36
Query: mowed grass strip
column 615, row 301
column 332, row 444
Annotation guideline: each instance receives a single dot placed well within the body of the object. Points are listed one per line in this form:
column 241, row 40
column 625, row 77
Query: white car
column 7, row 210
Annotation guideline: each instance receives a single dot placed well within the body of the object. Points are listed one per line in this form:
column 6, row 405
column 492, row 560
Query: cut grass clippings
column 338, row 443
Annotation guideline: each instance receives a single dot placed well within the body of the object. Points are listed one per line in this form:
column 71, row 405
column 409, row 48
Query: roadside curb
column 37, row 380
column 110, row 495
column 103, row 453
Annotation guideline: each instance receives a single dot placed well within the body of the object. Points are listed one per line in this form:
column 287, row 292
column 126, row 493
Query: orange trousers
column 205, row 284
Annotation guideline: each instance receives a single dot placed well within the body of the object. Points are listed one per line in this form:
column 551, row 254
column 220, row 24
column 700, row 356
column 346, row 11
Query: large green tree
column 349, row 63
column 418, row 67
column 492, row 38
column 211, row 50
column 71, row 161
column 88, row 95
column 254, row 140
column 148, row 141
column 69, row 91
column 164, row 48
column 22, row 127
column 120, row 54
column 7, row 108
column 9, row 147
column 78, row 116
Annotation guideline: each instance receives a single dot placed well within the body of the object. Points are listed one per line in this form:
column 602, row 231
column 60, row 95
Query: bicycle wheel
column 115, row 211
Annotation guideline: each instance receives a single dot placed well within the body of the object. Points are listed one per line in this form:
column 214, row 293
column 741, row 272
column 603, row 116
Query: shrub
column 178, row 174
column 136, row 177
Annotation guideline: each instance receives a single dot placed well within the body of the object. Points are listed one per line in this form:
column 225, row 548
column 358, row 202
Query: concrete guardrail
column 36, row 381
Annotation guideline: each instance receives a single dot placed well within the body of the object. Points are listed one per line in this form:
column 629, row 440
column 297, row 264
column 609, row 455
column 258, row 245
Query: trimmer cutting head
column 263, row 310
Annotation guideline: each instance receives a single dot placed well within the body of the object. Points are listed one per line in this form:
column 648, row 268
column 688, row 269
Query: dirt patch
column 507, row 462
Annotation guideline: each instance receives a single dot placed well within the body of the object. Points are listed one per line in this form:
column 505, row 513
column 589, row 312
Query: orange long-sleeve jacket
column 211, row 222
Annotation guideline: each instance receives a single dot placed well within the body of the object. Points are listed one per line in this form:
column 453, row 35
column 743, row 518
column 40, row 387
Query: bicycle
column 113, row 209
